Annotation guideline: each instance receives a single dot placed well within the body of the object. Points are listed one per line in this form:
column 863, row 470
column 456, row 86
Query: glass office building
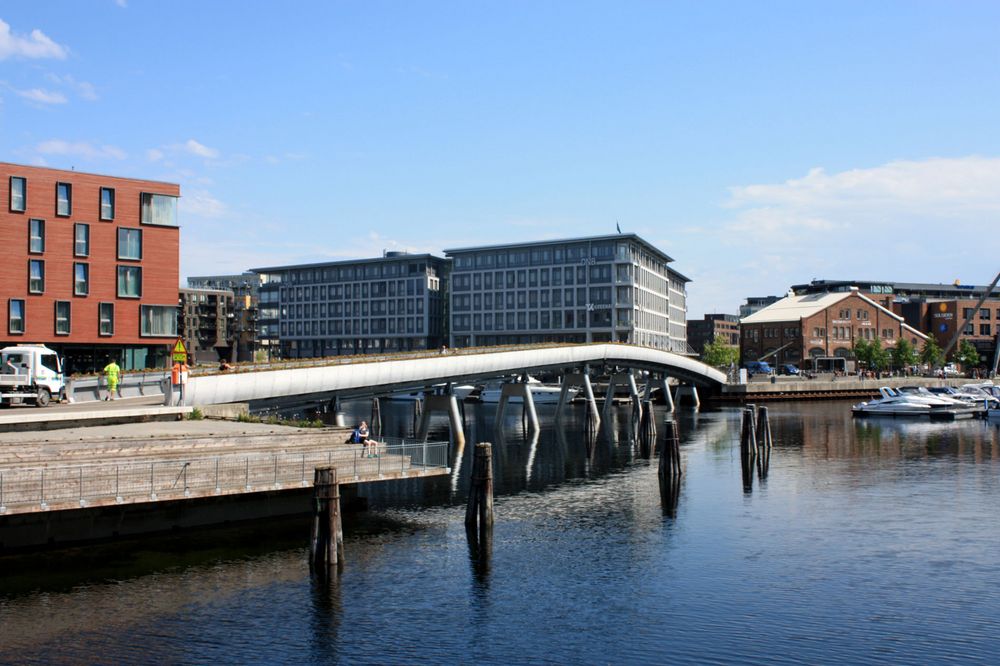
column 616, row 288
column 388, row 304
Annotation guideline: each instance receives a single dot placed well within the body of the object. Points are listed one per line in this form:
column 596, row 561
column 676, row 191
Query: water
column 869, row 542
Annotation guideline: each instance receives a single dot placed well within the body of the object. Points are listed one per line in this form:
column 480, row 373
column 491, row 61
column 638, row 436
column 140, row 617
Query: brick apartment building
column 703, row 331
column 820, row 325
column 206, row 324
column 91, row 265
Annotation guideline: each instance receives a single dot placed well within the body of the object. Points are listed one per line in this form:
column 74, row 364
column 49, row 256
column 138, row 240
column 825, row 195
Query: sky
column 760, row 145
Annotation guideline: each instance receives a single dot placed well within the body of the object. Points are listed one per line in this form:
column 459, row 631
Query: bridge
column 364, row 378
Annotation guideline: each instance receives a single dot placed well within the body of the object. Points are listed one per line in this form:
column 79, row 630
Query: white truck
column 30, row 374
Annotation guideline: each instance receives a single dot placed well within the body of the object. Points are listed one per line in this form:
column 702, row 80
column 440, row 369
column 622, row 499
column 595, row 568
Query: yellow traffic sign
column 180, row 351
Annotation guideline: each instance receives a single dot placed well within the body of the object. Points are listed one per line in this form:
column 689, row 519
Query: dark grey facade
column 205, row 323
column 598, row 289
column 245, row 343
column 391, row 303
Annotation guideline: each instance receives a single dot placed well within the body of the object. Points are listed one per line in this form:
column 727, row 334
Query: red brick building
column 91, row 265
column 820, row 325
column 703, row 331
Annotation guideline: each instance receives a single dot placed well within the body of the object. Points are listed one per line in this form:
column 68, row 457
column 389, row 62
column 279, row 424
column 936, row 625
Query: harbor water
column 869, row 541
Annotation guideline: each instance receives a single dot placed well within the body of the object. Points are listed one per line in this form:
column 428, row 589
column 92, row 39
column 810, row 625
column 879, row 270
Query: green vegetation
column 903, row 354
column 195, row 415
column 276, row 420
column 931, row 354
column 967, row 355
column 718, row 353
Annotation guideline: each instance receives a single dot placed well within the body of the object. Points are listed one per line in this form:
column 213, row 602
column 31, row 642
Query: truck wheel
column 43, row 397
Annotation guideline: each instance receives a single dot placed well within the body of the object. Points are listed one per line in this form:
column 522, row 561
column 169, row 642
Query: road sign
column 180, row 352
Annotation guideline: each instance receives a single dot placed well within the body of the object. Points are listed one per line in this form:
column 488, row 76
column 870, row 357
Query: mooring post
column 376, row 421
column 670, row 454
column 479, row 510
column 326, row 549
column 763, row 428
column 748, row 448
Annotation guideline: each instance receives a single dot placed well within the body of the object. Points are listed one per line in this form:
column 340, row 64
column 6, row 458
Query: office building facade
column 387, row 304
column 616, row 288
column 92, row 265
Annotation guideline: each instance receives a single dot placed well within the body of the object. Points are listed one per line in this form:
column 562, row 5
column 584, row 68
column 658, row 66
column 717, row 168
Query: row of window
column 984, row 329
column 129, row 240
column 129, row 279
column 155, row 209
column 846, row 314
column 155, row 320
column 556, row 319
column 984, row 313
column 540, row 277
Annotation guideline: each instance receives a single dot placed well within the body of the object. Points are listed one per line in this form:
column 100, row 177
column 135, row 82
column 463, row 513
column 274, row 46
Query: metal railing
column 33, row 489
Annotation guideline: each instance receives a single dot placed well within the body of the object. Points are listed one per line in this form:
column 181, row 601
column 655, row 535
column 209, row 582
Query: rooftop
column 349, row 262
column 565, row 241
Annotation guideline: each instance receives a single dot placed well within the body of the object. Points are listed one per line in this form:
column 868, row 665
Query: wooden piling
column 376, row 419
column 479, row 510
column 670, row 453
column 748, row 448
column 763, row 427
column 326, row 548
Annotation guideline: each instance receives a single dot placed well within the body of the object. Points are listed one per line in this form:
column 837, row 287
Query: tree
column 862, row 352
column 967, row 355
column 878, row 356
column 719, row 353
column 931, row 354
column 903, row 354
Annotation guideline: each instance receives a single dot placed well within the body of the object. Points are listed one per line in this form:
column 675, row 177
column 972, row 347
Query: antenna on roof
column 618, row 226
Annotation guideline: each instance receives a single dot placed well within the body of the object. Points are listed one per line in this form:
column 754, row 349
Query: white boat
column 541, row 394
column 913, row 403
column 461, row 392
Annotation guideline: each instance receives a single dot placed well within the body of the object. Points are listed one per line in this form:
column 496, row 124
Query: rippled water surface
column 868, row 542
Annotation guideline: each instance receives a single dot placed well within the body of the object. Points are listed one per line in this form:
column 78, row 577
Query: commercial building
column 245, row 311
column 206, row 324
column 756, row 304
column 820, row 325
column 616, row 288
column 703, row 331
column 387, row 304
column 91, row 265
column 937, row 309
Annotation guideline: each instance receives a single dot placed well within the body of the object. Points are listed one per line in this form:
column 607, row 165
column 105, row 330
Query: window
column 106, row 319
column 15, row 315
column 984, row 329
column 984, row 313
column 81, row 279
column 36, row 276
column 158, row 320
column 129, row 281
column 81, row 240
column 159, row 209
column 107, row 203
column 18, row 190
column 36, row 236
column 129, row 243
column 64, row 199
column 62, row 317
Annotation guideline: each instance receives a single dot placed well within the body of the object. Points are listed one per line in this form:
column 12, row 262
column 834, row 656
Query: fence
column 35, row 489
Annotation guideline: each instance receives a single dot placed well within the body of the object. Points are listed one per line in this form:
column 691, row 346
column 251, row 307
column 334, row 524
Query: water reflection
column 861, row 542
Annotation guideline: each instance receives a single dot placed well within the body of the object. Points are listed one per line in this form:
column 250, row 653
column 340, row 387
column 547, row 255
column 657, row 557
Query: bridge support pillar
column 689, row 391
column 326, row 548
column 449, row 405
column 339, row 417
column 628, row 379
column 667, row 395
column 581, row 379
column 522, row 390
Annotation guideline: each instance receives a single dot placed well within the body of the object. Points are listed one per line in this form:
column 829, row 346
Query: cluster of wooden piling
column 326, row 548
column 755, row 444
column 669, row 470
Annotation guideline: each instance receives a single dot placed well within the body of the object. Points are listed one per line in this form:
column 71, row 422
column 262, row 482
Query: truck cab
column 30, row 374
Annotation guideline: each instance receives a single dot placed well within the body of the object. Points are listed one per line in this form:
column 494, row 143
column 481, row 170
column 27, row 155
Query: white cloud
column 43, row 96
column 84, row 89
column 154, row 155
column 80, row 149
column 122, row 3
column 201, row 204
column 200, row 149
column 893, row 221
column 36, row 45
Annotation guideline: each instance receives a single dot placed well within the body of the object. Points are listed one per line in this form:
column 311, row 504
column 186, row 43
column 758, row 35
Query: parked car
column 789, row 369
column 758, row 368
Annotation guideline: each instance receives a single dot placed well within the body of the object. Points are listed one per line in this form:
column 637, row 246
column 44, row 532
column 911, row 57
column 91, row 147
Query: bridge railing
column 25, row 490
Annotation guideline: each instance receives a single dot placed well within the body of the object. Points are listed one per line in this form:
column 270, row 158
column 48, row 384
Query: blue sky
column 759, row 144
